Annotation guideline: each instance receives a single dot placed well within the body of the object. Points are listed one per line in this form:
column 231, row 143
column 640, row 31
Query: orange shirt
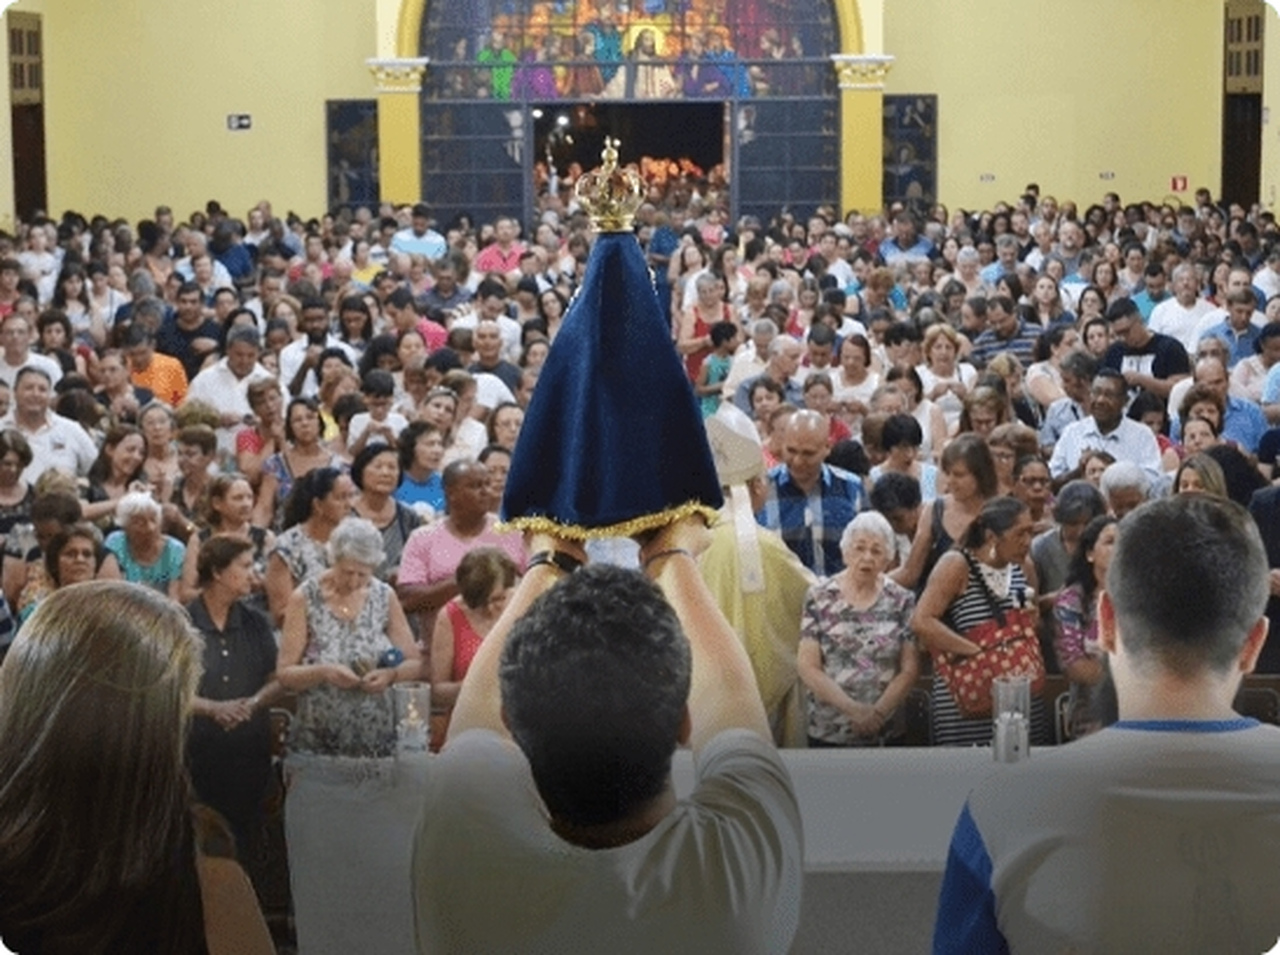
column 165, row 377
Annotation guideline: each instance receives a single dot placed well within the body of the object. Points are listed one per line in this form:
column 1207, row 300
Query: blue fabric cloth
column 613, row 432
column 811, row 524
column 966, row 920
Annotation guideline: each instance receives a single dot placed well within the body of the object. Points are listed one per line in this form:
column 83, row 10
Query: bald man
column 809, row 502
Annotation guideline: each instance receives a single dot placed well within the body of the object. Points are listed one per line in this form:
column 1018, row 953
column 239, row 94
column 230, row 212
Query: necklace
column 999, row 579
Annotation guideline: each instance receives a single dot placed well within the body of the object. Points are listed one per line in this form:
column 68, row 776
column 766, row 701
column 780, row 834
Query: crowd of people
column 301, row 430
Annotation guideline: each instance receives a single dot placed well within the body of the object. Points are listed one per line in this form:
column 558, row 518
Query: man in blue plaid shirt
column 808, row 502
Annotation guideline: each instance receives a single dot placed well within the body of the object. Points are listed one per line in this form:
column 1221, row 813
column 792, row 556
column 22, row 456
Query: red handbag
column 1009, row 647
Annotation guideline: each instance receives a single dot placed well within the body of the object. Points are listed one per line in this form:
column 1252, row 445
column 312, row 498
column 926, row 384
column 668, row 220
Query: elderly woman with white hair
column 345, row 641
column 857, row 654
column 139, row 552
column 1126, row 486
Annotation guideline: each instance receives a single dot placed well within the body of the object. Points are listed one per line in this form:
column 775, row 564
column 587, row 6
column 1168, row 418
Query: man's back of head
column 1161, row 833
column 1188, row 581
column 595, row 678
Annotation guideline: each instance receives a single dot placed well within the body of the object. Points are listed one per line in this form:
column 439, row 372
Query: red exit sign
column 1178, row 183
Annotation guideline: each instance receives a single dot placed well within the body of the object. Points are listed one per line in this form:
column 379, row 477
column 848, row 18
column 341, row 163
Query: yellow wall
column 1270, row 193
column 1058, row 93
column 6, row 138
column 137, row 93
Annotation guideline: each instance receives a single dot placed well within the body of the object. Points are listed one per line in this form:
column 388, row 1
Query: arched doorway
column 738, row 92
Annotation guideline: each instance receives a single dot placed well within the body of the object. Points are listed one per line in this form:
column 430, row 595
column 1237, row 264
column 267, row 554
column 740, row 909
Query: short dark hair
column 139, row 335
column 14, row 441
column 895, row 491
column 722, row 332
column 365, row 458
column 217, row 553
column 1123, row 308
column 199, row 436
column 378, row 383
column 77, row 531
column 901, row 429
column 606, row 639
column 1078, row 501
column 409, row 441
column 309, row 403
column 1188, row 579
column 819, row 334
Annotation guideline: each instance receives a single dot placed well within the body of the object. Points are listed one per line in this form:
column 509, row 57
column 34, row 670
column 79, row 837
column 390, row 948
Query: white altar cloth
column 350, row 828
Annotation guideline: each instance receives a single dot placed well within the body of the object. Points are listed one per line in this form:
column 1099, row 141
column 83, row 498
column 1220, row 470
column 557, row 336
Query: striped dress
column 970, row 609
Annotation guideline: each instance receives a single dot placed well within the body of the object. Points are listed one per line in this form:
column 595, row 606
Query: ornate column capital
column 861, row 71
column 398, row 75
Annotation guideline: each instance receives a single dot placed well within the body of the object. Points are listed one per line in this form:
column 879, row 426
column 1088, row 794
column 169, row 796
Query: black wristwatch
column 554, row 558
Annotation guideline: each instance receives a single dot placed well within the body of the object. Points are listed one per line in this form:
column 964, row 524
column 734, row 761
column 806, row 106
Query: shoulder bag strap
column 992, row 600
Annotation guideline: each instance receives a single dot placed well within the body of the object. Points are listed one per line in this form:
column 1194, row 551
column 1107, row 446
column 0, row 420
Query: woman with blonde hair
column 985, row 409
column 946, row 380
column 94, row 700
column 1009, row 368
column 1200, row 474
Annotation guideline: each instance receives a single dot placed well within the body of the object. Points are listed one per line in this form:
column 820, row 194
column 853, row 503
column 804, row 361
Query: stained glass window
column 502, row 72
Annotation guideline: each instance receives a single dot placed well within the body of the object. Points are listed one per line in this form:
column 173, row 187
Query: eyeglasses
column 1035, row 481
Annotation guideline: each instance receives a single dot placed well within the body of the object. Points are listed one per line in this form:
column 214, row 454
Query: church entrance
column 738, row 97
column 668, row 141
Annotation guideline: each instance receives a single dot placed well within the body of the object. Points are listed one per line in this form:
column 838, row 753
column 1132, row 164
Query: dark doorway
column 575, row 133
column 1241, row 148
column 351, row 126
column 29, row 184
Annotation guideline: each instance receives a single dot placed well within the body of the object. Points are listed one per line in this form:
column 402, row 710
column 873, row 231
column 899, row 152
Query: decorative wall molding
column 401, row 75
column 862, row 71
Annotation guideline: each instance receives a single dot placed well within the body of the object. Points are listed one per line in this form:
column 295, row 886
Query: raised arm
column 723, row 693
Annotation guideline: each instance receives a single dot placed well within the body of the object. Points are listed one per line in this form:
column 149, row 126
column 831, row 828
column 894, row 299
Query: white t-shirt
column 9, row 373
column 720, row 873
column 360, row 422
column 1170, row 318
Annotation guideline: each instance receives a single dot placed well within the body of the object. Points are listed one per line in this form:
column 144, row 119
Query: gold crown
column 610, row 195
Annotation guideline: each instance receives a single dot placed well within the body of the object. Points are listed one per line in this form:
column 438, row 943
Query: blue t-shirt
column 157, row 576
column 430, row 491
